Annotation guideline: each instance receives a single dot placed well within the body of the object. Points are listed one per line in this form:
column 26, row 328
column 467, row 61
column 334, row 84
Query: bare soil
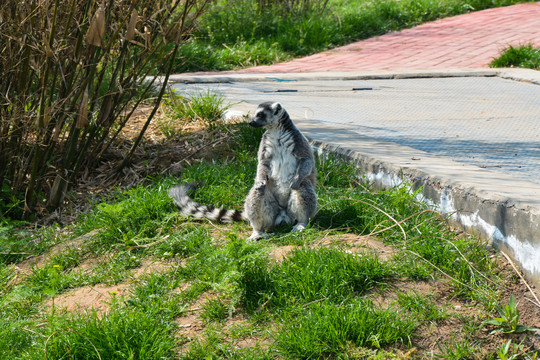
column 98, row 297
column 83, row 299
column 26, row 265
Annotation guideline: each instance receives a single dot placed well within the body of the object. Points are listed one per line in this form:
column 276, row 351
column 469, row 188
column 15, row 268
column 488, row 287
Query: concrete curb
column 516, row 74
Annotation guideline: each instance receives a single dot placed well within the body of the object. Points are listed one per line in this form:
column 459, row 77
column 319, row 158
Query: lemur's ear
column 277, row 108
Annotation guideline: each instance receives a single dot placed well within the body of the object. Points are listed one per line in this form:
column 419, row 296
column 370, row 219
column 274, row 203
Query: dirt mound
column 97, row 297
column 77, row 243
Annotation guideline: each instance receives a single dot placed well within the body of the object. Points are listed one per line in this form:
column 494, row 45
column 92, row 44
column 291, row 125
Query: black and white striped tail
column 179, row 194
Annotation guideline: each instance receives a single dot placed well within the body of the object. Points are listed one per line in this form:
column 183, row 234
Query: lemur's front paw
column 295, row 184
column 259, row 187
column 256, row 236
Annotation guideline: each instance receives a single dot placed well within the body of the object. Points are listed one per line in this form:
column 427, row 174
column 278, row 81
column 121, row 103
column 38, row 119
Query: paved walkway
column 465, row 41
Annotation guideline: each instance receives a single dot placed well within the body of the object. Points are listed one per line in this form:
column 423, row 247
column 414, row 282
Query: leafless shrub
column 71, row 74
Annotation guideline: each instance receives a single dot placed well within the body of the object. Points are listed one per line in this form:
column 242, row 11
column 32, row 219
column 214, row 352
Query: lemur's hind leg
column 302, row 205
column 261, row 209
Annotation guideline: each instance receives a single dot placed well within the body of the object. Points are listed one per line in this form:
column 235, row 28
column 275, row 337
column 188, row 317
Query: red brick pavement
column 461, row 42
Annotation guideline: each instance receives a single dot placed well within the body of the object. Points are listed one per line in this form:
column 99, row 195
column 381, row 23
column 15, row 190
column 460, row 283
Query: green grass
column 123, row 333
column 423, row 307
column 315, row 274
column 137, row 216
column 457, row 349
column 205, row 107
column 319, row 301
column 204, row 55
column 240, row 34
column 513, row 351
column 323, row 330
column 523, row 56
column 18, row 240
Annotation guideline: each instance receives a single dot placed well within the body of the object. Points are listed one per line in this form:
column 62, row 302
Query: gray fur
column 284, row 189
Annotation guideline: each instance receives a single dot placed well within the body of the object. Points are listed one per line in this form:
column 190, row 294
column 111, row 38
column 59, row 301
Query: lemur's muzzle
column 256, row 124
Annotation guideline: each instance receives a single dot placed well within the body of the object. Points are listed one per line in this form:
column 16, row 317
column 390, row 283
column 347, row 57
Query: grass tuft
column 205, row 107
column 457, row 349
column 215, row 309
column 315, row 274
column 523, row 56
column 120, row 334
column 325, row 329
column 139, row 215
column 309, row 275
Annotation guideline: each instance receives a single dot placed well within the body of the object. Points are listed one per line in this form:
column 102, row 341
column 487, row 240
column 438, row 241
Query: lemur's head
column 267, row 115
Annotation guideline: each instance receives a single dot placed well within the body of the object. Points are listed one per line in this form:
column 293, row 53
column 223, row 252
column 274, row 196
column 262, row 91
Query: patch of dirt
column 149, row 266
column 385, row 297
column 26, row 266
column 137, row 121
column 529, row 312
column 191, row 325
column 429, row 336
column 249, row 341
column 358, row 244
column 86, row 266
column 97, row 297
column 279, row 253
column 352, row 243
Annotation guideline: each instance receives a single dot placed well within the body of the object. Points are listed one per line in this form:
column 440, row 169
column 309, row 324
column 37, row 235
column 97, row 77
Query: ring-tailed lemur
column 284, row 189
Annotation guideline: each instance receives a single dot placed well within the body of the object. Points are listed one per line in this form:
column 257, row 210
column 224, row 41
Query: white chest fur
column 280, row 147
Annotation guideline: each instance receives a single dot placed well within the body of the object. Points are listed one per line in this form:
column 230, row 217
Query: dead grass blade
column 537, row 302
